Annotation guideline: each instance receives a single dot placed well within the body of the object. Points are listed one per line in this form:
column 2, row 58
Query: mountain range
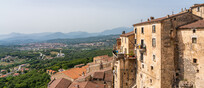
column 18, row 38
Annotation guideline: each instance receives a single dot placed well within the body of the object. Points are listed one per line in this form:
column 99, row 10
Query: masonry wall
column 145, row 74
column 198, row 13
column 127, row 44
column 168, row 45
column 190, row 71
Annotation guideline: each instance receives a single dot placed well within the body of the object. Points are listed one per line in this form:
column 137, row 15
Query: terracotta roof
column 196, row 5
column 127, row 34
column 87, row 84
column 79, row 84
column 118, row 39
column 15, row 74
column 60, row 83
column 197, row 24
column 94, row 85
column 74, row 73
column 98, row 75
column 108, row 76
column 160, row 19
column 101, row 56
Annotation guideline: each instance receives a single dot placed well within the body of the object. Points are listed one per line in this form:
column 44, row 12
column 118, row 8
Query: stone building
column 198, row 9
column 124, row 62
column 191, row 53
column 127, row 42
column 168, row 54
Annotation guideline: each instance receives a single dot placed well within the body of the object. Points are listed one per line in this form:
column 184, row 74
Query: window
column 194, row 30
column 142, row 65
column 154, row 42
column 125, row 40
column 198, row 9
column 174, row 19
column 142, row 42
column 152, row 67
column 153, row 29
column 150, row 80
column 194, row 60
column 197, row 71
column 142, row 30
column 154, row 57
column 141, row 57
column 135, row 41
column 194, row 40
column 135, row 30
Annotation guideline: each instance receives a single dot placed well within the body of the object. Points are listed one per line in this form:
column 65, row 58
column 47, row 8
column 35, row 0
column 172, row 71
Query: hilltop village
column 165, row 52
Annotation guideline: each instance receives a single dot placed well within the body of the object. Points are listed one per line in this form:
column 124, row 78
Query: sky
column 36, row 16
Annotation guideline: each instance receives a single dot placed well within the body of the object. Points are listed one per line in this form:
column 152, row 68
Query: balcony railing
column 142, row 48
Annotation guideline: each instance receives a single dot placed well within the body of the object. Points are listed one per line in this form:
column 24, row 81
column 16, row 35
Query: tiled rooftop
column 127, row 34
column 197, row 24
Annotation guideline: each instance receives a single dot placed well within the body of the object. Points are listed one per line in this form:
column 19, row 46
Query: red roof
column 15, row 74
column 160, row 19
column 74, row 73
column 59, row 83
column 197, row 24
column 98, row 75
column 94, row 85
column 127, row 34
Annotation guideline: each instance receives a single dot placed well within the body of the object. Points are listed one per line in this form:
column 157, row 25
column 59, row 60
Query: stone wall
column 188, row 70
column 168, row 45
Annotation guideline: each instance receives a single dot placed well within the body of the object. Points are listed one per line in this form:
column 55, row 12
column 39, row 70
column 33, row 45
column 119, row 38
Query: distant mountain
column 18, row 38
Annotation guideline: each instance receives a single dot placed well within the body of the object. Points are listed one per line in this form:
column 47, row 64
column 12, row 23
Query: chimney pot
column 167, row 16
column 152, row 18
column 123, row 32
column 148, row 19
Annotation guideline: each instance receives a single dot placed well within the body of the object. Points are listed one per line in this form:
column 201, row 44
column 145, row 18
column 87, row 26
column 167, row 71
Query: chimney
column 123, row 32
column 148, row 19
column 167, row 16
column 152, row 18
column 181, row 9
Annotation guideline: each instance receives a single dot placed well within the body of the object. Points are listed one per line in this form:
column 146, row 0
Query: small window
column 197, row 71
column 194, row 60
column 141, row 75
column 135, row 30
column 198, row 9
column 177, row 74
column 152, row 68
column 174, row 19
column 154, row 42
column 150, row 80
column 142, row 30
column 135, row 41
column 194, row 40
column 142, row 65
column 141, row 57
column 125, row 40
column 153, row 29
column 194, row 30
column 154, row 57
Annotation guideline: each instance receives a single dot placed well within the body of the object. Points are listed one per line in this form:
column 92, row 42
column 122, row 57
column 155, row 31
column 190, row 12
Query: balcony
column 118, row 56
column 142, row 48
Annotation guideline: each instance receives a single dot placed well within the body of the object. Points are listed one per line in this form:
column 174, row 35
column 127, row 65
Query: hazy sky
column 34, row 16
